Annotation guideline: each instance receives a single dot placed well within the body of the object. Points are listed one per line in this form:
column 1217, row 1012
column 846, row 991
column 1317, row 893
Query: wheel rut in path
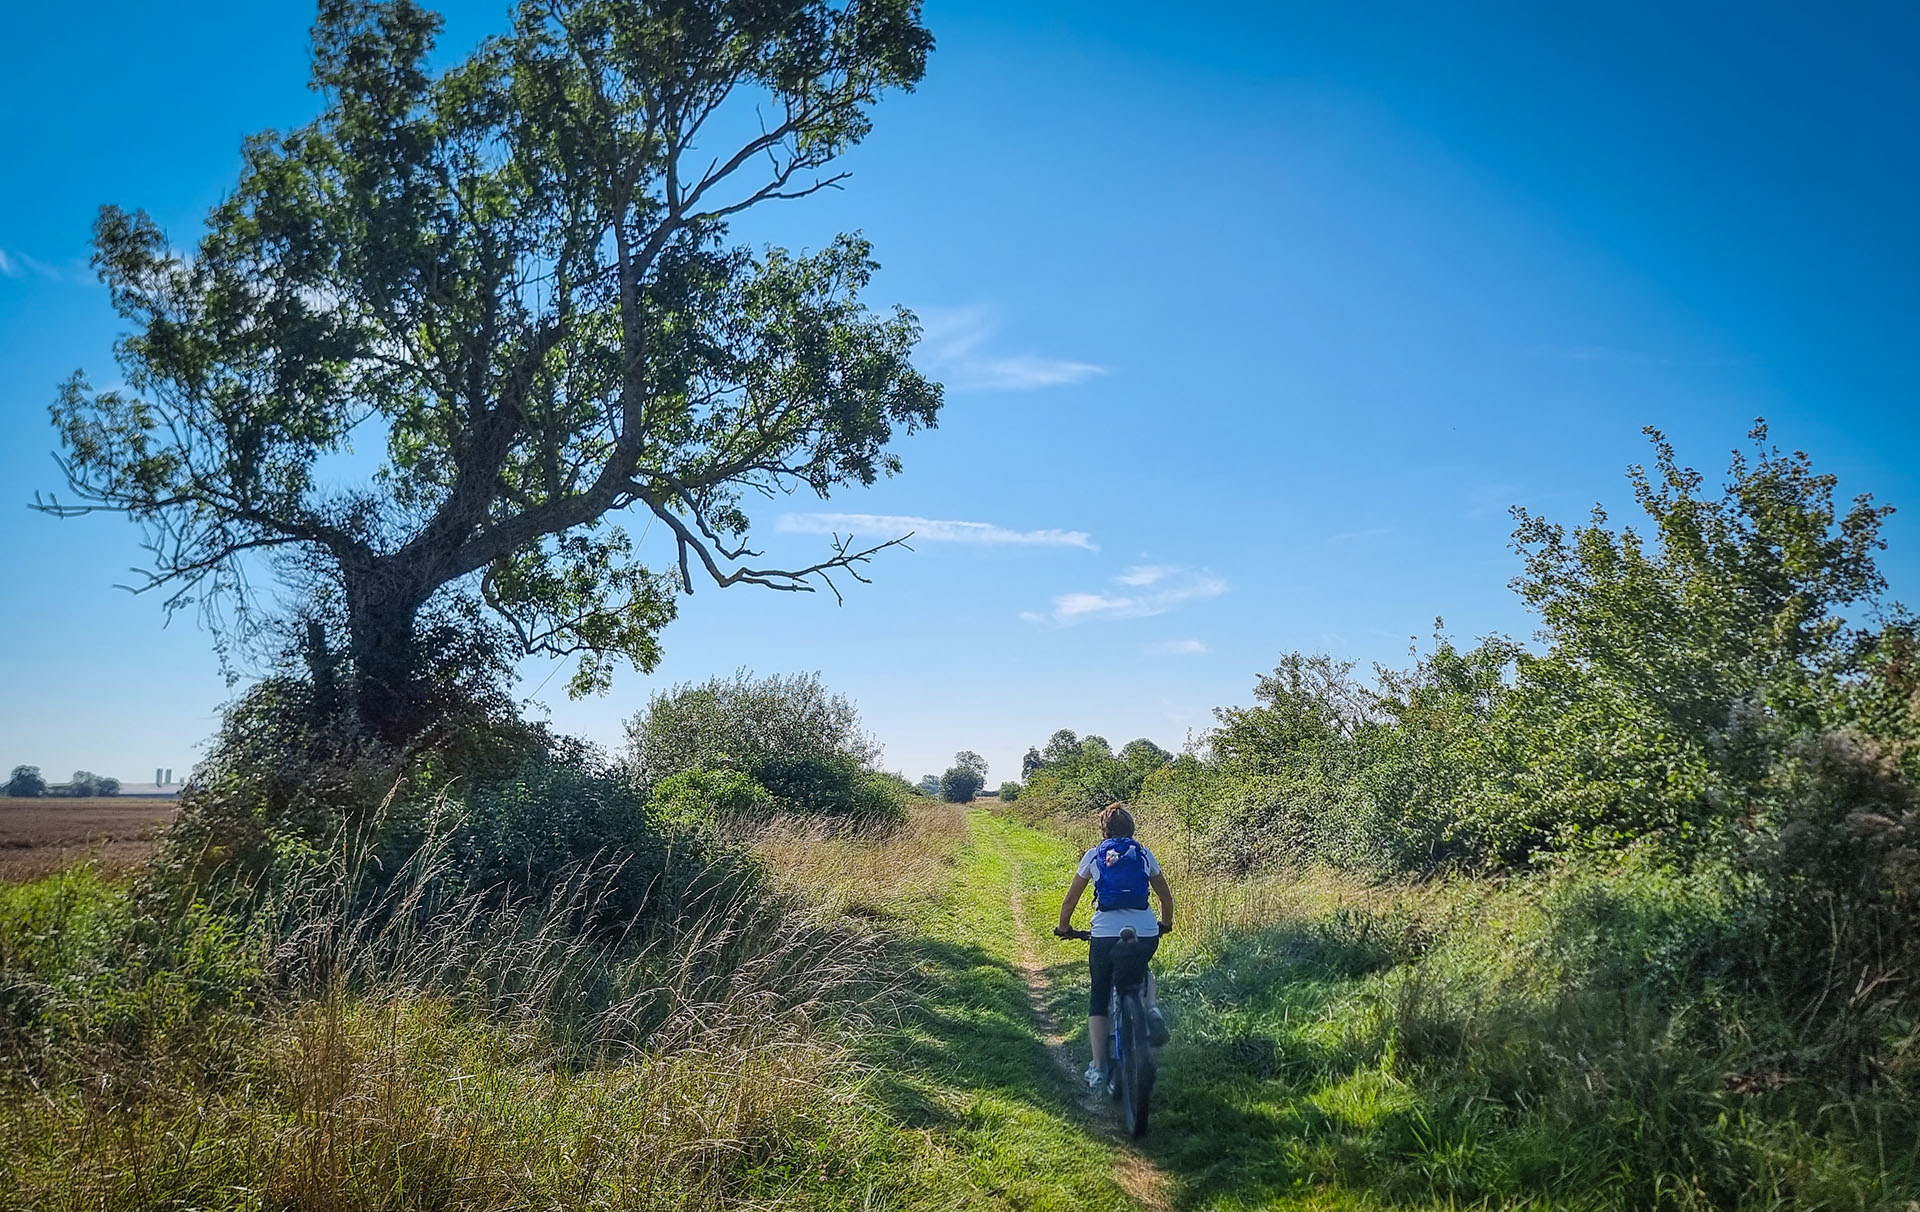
column 1140, row 1178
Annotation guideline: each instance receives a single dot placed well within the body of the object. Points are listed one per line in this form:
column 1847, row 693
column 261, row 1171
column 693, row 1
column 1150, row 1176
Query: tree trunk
column 387, row 685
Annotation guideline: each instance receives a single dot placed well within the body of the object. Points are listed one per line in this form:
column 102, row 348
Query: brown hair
column 1116, row 821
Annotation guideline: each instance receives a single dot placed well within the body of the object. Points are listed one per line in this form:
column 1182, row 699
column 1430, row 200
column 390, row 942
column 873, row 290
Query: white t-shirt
column 1108, row 923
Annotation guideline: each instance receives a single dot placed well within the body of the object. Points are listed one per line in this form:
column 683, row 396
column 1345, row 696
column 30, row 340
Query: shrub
column 788, row 734
column 1074, row 775
column 287, row 764
column 882, row 798
column 960, row 784
column 1009, row 792
column 706, row 799
column 526, row 835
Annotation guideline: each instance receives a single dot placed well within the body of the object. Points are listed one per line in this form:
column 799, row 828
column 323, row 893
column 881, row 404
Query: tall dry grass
column 860, row 871
column 406, row 1042
column 1574, row 1038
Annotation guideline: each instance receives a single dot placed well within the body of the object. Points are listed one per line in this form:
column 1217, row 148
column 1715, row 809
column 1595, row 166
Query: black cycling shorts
column 1127, row 968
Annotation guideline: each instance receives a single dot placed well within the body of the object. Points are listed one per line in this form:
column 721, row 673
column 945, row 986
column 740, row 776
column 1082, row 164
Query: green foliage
column 960, row 784
column 882, row 797
column 1679, row 665
column 83, row 968
column 1715, row 741
column 721, row 802
column 705, row 799
column 1075, row 776
column 964, row 779
column 1010, row 791
column 26, row 782
column 529, row 834
column 287, row 764
column 86, row 783
column 1676, row 674
column 789, row 734
column 510, row 277
column 895, row 783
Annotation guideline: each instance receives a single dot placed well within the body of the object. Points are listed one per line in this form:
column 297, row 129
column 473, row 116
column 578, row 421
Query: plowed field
column 38, row 836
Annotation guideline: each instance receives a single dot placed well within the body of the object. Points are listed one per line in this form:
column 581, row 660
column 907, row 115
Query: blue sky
column 1254, row 323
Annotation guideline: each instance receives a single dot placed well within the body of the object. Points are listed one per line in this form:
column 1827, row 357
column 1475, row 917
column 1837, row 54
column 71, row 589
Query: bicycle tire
column 1136, row 1068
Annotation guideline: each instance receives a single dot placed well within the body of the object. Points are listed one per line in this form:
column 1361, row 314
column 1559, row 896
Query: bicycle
column 1130, row 1064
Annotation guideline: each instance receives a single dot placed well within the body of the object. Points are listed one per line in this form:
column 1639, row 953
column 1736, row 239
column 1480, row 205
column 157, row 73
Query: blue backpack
column 1119, row 874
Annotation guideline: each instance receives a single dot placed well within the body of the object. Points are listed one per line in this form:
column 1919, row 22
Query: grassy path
column 988, row 1068
column 981, row 1070
column 1263, row 1103
column 1139, row 1177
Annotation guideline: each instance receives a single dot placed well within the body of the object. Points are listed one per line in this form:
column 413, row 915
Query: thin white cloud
column 20, row 265
column 1146, row 574
column 928, row 530
column 1139, row 596
column 1178, row 648
column 954, row 349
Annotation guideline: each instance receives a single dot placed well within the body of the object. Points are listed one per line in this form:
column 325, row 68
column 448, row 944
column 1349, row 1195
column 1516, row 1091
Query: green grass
column 1337, row 1046
column 968, row 1072
column 1343, row 1046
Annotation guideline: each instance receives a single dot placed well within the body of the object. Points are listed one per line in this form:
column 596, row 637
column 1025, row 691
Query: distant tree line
column 1075, row 774
column 27, row 782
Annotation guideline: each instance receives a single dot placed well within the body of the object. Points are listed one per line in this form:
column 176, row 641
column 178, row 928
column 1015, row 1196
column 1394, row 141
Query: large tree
column 441, row 340
column 26, row 782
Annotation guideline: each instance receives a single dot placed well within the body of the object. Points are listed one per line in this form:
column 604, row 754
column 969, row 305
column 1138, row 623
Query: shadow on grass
column 967, row 1066
column 970, row 1029
column 1295, row 1073
column 1242, row 1112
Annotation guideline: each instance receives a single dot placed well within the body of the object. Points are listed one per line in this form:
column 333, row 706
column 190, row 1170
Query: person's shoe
column 1096, row 1077
column 1156, row 1028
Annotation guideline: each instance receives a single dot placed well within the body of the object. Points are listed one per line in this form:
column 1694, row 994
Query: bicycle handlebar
column 1086, row 936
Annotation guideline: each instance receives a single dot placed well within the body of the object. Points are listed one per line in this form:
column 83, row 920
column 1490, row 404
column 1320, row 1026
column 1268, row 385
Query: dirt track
column 39, row 836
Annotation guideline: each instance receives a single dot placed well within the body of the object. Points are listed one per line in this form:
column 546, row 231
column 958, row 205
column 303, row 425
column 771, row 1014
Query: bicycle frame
column 1130, row 1062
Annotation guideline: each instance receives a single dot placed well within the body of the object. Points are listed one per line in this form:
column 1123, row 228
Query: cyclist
column 1121, row 871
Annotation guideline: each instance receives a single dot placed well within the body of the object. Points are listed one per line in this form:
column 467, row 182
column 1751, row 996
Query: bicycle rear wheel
column 1136, row 1067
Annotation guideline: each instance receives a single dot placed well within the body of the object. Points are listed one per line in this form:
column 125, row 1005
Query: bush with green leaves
column 1681, row 664
column 1718, row 729
column 1075, row 775
column 703, row 799
column 1676, row 671
column 789, row 734
column 960, row 784
column 1009, row 792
